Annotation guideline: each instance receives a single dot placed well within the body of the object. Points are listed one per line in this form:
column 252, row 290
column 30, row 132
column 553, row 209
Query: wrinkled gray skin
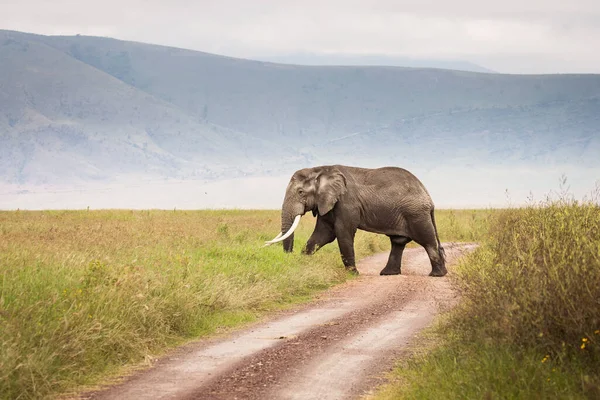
column 388, row 200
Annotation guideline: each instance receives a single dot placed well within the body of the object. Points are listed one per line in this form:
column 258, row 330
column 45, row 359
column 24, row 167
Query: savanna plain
column 86, row 296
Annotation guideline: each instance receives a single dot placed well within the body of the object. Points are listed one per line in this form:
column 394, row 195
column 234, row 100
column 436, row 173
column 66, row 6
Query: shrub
column 535, row 283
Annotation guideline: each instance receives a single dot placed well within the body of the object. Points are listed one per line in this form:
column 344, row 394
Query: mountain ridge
column 344, row 59
column 78, row 108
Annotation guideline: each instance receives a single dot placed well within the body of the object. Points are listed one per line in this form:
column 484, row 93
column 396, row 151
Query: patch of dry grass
column 463, row 225
column 85, row 292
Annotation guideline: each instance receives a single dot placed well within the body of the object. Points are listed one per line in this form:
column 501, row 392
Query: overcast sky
column 514, row 36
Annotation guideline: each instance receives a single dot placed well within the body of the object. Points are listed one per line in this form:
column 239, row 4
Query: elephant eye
column 300, row 192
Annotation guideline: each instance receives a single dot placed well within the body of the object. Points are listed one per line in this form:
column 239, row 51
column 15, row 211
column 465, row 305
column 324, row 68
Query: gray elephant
column 388, row 200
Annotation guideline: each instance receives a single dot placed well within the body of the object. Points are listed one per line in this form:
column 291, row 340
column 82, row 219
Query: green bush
column 536, row 280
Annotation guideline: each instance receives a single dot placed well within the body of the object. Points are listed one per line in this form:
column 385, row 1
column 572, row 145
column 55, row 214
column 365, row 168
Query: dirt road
column 335, row 348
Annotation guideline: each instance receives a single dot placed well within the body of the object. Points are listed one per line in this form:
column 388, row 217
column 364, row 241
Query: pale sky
column 513, row 36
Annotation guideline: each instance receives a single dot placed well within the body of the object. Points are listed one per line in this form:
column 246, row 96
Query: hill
column 75, row 109
column 371, row 60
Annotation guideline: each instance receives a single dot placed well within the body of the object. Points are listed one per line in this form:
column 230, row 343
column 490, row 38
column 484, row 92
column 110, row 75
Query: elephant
column 388, row 200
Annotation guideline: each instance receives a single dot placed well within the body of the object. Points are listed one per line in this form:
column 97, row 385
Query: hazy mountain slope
column 64, row 119
column 371, row 60
column 555, row 134
column 272, row 100
column 81, row 108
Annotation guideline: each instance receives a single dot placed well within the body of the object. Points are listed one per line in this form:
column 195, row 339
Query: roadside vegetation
column 84, row 294
column 528, row 325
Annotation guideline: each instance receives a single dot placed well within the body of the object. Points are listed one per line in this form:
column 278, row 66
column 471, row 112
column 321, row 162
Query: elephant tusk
column 280, row 238
column 276, row 237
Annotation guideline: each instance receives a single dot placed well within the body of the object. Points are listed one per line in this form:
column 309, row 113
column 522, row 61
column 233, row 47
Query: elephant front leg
column 346, row 244
column 394, row 264
column 322, row 235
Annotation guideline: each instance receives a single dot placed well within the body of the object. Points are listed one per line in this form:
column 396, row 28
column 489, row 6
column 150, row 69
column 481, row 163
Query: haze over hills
column 371, row 60
column 76, row 110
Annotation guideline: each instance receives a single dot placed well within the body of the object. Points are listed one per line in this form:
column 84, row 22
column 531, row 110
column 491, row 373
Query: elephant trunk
column 291, row 210
column 287, row 220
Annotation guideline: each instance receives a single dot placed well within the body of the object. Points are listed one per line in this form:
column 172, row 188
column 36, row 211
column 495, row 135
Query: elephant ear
column 332, row 185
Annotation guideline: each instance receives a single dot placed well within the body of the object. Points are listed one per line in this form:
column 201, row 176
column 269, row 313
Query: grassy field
column 528, row 326
column 84, row 293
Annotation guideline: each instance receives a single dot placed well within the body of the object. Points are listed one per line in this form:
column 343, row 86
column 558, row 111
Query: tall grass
column 528, row 325
column 83, row 293
column 536, row 282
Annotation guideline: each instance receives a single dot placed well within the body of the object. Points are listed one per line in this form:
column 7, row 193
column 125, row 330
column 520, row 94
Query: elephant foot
column 438, row 272
column 389, row 271
column 352, row 270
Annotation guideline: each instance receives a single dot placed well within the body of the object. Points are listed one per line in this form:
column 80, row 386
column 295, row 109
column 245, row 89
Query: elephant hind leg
column 438, row 264
column 394, row 264
column 424, row 233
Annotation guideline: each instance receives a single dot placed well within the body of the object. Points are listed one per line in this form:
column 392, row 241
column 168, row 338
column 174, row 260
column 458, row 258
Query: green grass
column 85, row 293
column 486, row 371
column 528, row 325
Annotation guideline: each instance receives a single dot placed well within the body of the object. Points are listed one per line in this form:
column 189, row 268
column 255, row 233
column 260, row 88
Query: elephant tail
column 441, row 250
